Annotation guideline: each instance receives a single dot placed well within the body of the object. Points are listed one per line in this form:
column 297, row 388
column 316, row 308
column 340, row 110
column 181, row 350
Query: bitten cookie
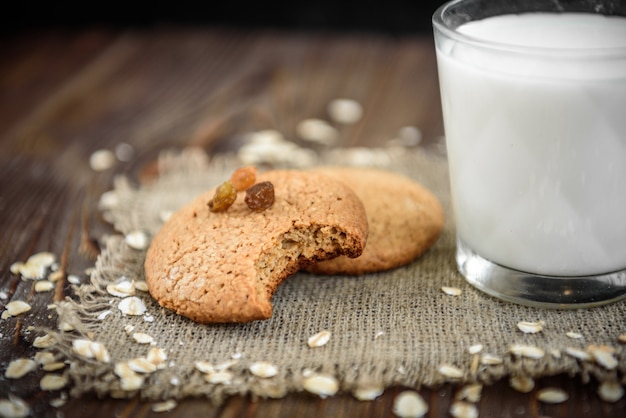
column 225, row 267
column 404, row 218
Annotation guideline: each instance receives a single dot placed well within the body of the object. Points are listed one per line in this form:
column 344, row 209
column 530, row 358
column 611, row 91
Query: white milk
column 537, row 147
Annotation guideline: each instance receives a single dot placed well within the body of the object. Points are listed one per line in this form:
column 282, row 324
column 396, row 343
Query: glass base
column 538, row 290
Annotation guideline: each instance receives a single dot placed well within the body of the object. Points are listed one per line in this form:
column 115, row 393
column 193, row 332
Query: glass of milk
column 534, row 105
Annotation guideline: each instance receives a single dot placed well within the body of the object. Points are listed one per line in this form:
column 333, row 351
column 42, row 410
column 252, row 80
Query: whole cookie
column 404, row 218
column 225, row 267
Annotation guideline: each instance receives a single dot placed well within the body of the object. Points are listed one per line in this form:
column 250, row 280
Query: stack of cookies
column 215, row 267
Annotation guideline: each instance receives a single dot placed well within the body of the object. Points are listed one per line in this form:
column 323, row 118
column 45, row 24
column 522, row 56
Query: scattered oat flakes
column 141, row 285
column 226, row 364
column 318, row 131
column 44, row 286
column 129, row 328
column 165, row 406
column 450, row 371
column 379, row 334
column 156, row 356
column 42, row 358
column 16, row 307
column 346, row 111
column 65, row 326
column 451, row 291
column 101, row 160
column 610, row 391
column 45, row 341
column 142, row 338
column 368, row 391
column 475, row 349
column 622, row 338
column 263, row 369
column 124, row 152
column 522, row 384
column 409, row 404
column 53, row 382
column 122, row 369
column 322, row 385
column 471, row 392
column 121, row 289
column 108, row 200
column 409, row 136
column 91, row 349
column 73, row 279
column 461, row 409
column 552, row 395
column 3, row 295
column 142, row 365
column 578, row 353
column 44, row 258
column 319, row 339
column 14, row 407
column 19, row 368
column 574, row 335
column 53, row 367
column 219, row 377
column 16, row 267
column 131, row 382
column 55, row 276
column 102, row 316
column 530, row 327
column 165, row 215
column 57, row 402
column 491, row 360
column 137, row 240
column 529, row 351
column 132, row 305
column 204, row 367
column 603, row 355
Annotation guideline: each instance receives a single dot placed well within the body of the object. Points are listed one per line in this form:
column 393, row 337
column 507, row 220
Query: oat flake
column 368, row 391
column 165, row 406
column 319, row 339
column 263, row 369
column 132, row 305
column 610, row 391
column 137, row 240
column 461, row 409
column 409, row 404
column 451, row 291
column 530, row 327
column 45, row 341
column 450, row 371
column 14, row 407
column 53, row 382
column 322, row 385
column 142, row 338
column 529, row 351
column 523, row 384
column 17, row 307
column 19, row 368
column 552, row 395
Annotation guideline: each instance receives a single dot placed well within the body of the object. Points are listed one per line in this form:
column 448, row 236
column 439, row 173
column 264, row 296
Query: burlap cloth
column 391, row 328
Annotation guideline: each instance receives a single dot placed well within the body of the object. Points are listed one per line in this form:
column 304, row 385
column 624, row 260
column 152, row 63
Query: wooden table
column 66, row 94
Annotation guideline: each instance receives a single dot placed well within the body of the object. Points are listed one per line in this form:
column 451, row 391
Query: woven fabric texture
column 390, row 328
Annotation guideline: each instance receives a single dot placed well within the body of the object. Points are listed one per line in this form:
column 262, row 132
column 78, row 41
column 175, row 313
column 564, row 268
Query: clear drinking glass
column 534, row 111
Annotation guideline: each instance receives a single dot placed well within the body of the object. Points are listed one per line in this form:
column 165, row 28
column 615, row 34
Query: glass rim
column 580, row 52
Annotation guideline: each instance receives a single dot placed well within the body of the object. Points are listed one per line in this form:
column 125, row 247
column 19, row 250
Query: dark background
column 392, row 16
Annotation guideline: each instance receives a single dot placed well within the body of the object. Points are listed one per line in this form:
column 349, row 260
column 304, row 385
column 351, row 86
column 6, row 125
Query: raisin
column 260, row 196
column 224, row 197
column 243, row 178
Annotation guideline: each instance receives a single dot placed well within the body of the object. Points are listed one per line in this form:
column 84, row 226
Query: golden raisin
column 260, row 196
column 243, row 178
column 224, row 197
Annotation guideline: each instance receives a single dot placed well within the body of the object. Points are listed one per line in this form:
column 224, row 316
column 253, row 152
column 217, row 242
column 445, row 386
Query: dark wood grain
column 64, row 95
